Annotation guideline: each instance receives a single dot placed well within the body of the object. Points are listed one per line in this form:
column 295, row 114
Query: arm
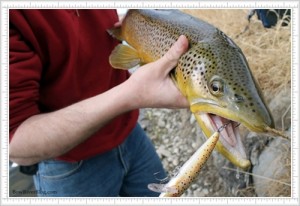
column 52, row 134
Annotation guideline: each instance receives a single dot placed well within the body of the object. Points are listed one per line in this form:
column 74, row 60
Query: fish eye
column 216, row 87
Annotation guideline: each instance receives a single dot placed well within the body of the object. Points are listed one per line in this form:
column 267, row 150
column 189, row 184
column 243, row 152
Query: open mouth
column 229, row 136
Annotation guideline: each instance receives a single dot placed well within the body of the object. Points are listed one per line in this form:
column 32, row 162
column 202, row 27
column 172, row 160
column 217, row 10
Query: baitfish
column 189, row 171
column 213, row 74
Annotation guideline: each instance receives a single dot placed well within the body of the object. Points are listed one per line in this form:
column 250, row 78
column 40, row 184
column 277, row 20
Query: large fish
column 213, row 74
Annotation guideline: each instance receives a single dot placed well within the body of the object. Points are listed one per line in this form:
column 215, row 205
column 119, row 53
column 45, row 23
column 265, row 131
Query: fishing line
column 259, row 176
column 277, row 132
column 223, row 126
column 163, row 180
column 238, row 125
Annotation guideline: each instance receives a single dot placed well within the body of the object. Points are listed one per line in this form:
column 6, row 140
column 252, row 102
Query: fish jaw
column 212, row 112
column 230, row 144
column 254, row 122
column 211, row 117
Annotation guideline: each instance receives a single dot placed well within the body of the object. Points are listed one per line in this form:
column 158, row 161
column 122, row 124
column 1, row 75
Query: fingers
column 118, row 24
column 170, row 59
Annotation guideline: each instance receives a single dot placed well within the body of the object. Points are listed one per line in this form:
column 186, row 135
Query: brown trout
column 213, row 74
column 190, row 170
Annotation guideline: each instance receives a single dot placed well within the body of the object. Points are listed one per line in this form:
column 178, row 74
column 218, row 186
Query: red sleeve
column 24, row 73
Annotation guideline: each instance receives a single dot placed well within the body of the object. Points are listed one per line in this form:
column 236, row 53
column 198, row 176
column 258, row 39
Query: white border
column 5, row 200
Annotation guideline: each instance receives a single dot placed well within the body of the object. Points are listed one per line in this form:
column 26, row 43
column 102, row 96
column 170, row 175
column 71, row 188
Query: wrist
column 131, row 95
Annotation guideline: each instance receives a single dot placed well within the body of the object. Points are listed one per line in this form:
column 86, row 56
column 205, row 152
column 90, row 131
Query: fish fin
column 162, row 188
column 155, row 187
column 124, row 57
column 116, row 33
column 171, row 189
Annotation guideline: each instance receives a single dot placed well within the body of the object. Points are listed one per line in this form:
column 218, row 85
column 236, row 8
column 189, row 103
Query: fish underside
column 213, row 74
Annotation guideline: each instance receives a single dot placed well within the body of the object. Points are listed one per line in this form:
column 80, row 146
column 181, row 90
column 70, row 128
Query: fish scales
column 213, row 74
column 155, row 33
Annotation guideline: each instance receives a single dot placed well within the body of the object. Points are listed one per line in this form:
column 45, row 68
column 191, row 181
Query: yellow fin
column 116, row 33
column 124, row 57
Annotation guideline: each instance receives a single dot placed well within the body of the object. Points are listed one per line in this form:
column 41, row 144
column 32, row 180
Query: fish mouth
column 230, row 143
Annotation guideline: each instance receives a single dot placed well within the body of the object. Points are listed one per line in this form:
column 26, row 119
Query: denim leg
column 123, row 171
column 143, row 165
column 100, row 176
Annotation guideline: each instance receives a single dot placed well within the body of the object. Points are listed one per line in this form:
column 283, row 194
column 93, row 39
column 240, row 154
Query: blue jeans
column 124, row 171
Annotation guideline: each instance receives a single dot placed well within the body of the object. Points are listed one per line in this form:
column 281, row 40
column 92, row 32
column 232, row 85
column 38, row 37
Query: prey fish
column 213, row 74
column 189, row 171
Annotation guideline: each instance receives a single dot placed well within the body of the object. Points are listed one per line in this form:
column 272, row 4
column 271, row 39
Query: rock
column 175, row 162
column 161, row 123
column 256, row 143
column 197, row 193
column 176, row 151
column 205, row 191
column 280, row 107
column 274, row 163
column 192, row 119
column 163, row 151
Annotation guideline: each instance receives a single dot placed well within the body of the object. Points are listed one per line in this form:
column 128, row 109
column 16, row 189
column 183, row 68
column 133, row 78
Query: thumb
column 170, row 59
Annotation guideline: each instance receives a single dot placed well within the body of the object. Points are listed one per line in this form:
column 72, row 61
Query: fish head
column 216, row 79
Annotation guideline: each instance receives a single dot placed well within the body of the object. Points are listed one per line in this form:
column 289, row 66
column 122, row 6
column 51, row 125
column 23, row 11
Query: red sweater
column 60, row 57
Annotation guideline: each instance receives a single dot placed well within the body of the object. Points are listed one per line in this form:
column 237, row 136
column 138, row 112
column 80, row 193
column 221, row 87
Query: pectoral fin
column 116, row 33
column 124, row 57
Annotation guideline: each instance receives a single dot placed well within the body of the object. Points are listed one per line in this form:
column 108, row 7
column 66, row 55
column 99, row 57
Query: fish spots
column 193, row 66
column 205, row 88
column 238, row 98
column 155, row 38
column 211, row 52
column 246, row 100
column 251, row 104
column 232, row 67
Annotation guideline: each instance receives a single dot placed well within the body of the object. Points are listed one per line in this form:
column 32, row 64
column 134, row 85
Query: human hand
column 118, row 24
column 151, row 84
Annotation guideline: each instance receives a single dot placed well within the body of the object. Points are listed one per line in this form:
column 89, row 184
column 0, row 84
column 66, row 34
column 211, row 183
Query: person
column 270, row 17
column 75, row 116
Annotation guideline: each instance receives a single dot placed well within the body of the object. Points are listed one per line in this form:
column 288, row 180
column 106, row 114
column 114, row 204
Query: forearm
column 49, row 135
